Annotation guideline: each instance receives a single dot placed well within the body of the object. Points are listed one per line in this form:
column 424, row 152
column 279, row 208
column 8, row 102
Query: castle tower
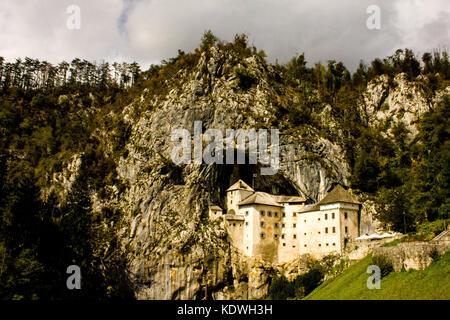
column 237, row 192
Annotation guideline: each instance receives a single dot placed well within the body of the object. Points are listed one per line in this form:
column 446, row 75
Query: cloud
column 149, row 31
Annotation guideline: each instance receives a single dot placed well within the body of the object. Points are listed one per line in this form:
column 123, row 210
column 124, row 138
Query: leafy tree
column 208, row 40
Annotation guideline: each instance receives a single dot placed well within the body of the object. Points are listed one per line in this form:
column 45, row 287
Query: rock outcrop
column 399, row 100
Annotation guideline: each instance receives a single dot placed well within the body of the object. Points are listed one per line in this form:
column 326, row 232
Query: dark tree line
column 30, row 74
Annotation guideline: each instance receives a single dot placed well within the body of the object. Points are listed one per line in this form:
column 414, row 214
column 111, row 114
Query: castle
column 280, row 228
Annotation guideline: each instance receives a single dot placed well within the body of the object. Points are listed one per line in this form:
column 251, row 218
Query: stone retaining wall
column 358, row 249
column 413, row 255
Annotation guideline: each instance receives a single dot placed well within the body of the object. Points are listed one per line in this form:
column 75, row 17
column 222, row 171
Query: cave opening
column 224, row 175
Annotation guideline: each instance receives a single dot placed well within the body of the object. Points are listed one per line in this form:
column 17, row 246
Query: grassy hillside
column 432, row 283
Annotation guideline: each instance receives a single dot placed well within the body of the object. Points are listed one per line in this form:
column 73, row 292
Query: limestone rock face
column 312, row 163
column 369, row 225
column 173, row 250
column 62, row 181
column 398, row 101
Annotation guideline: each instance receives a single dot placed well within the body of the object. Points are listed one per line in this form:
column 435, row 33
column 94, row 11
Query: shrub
column 383, row 263
column 245, row 79
column 282, row 289
column 432, row 228
column 434, row 254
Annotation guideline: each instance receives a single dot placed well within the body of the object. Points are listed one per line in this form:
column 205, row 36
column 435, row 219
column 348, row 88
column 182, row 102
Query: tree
column 427, row 59
column 208, row 40
column 393, row 209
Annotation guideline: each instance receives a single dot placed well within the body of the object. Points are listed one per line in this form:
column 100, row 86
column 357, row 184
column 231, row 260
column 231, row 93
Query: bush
column 383, row 263
column 244, row 79
column 434, row 254
column 282, row 289
column 432, row 228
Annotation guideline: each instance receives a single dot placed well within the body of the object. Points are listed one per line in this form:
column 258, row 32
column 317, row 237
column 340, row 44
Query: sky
column 148, row 31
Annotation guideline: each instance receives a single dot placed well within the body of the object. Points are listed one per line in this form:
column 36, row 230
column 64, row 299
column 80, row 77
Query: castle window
column 305, row 221
column 231, row 201
column 326, row 230
column 276, row 236
column 282, row 236
column 284, row 214
column 305, row 233
column 334, row 229
column 318, row 219
column 262, row 223
column 305, row 245
column 319, row 232
column 345, row 215
column 262, row 213
column 283, row 225
column 326, row 216
column 234, row 224
column 275, row 214
column 293, row 246
column 246, row 223
column 294, row 214
column 269, row 214
column 263, row 235
column 246, row 213
column 276, row 225
column 295, row 236
column 334, row 244
column 320, row 245
column 294, row 225
column 332, row 215
column 327, row 244
column 284, row 244
column 346, row 229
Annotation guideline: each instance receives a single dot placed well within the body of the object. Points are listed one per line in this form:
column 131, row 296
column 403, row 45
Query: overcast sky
column 148, row 31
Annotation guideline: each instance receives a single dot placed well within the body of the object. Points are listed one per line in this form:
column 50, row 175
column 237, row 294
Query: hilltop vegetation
column 49, row 113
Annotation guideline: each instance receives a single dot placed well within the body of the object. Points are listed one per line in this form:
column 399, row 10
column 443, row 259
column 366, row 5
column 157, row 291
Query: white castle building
column 280, row 228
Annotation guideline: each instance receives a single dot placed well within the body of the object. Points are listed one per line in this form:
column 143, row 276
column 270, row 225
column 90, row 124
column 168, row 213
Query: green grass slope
column 432, row 283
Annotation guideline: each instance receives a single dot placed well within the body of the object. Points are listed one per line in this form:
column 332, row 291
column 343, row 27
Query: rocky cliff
column 173, row 250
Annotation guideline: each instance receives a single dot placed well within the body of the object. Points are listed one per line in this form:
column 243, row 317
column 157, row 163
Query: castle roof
column 289, row 199
column 260, row 198
column 240, row 185
column 338, row 194
column 215, row 208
